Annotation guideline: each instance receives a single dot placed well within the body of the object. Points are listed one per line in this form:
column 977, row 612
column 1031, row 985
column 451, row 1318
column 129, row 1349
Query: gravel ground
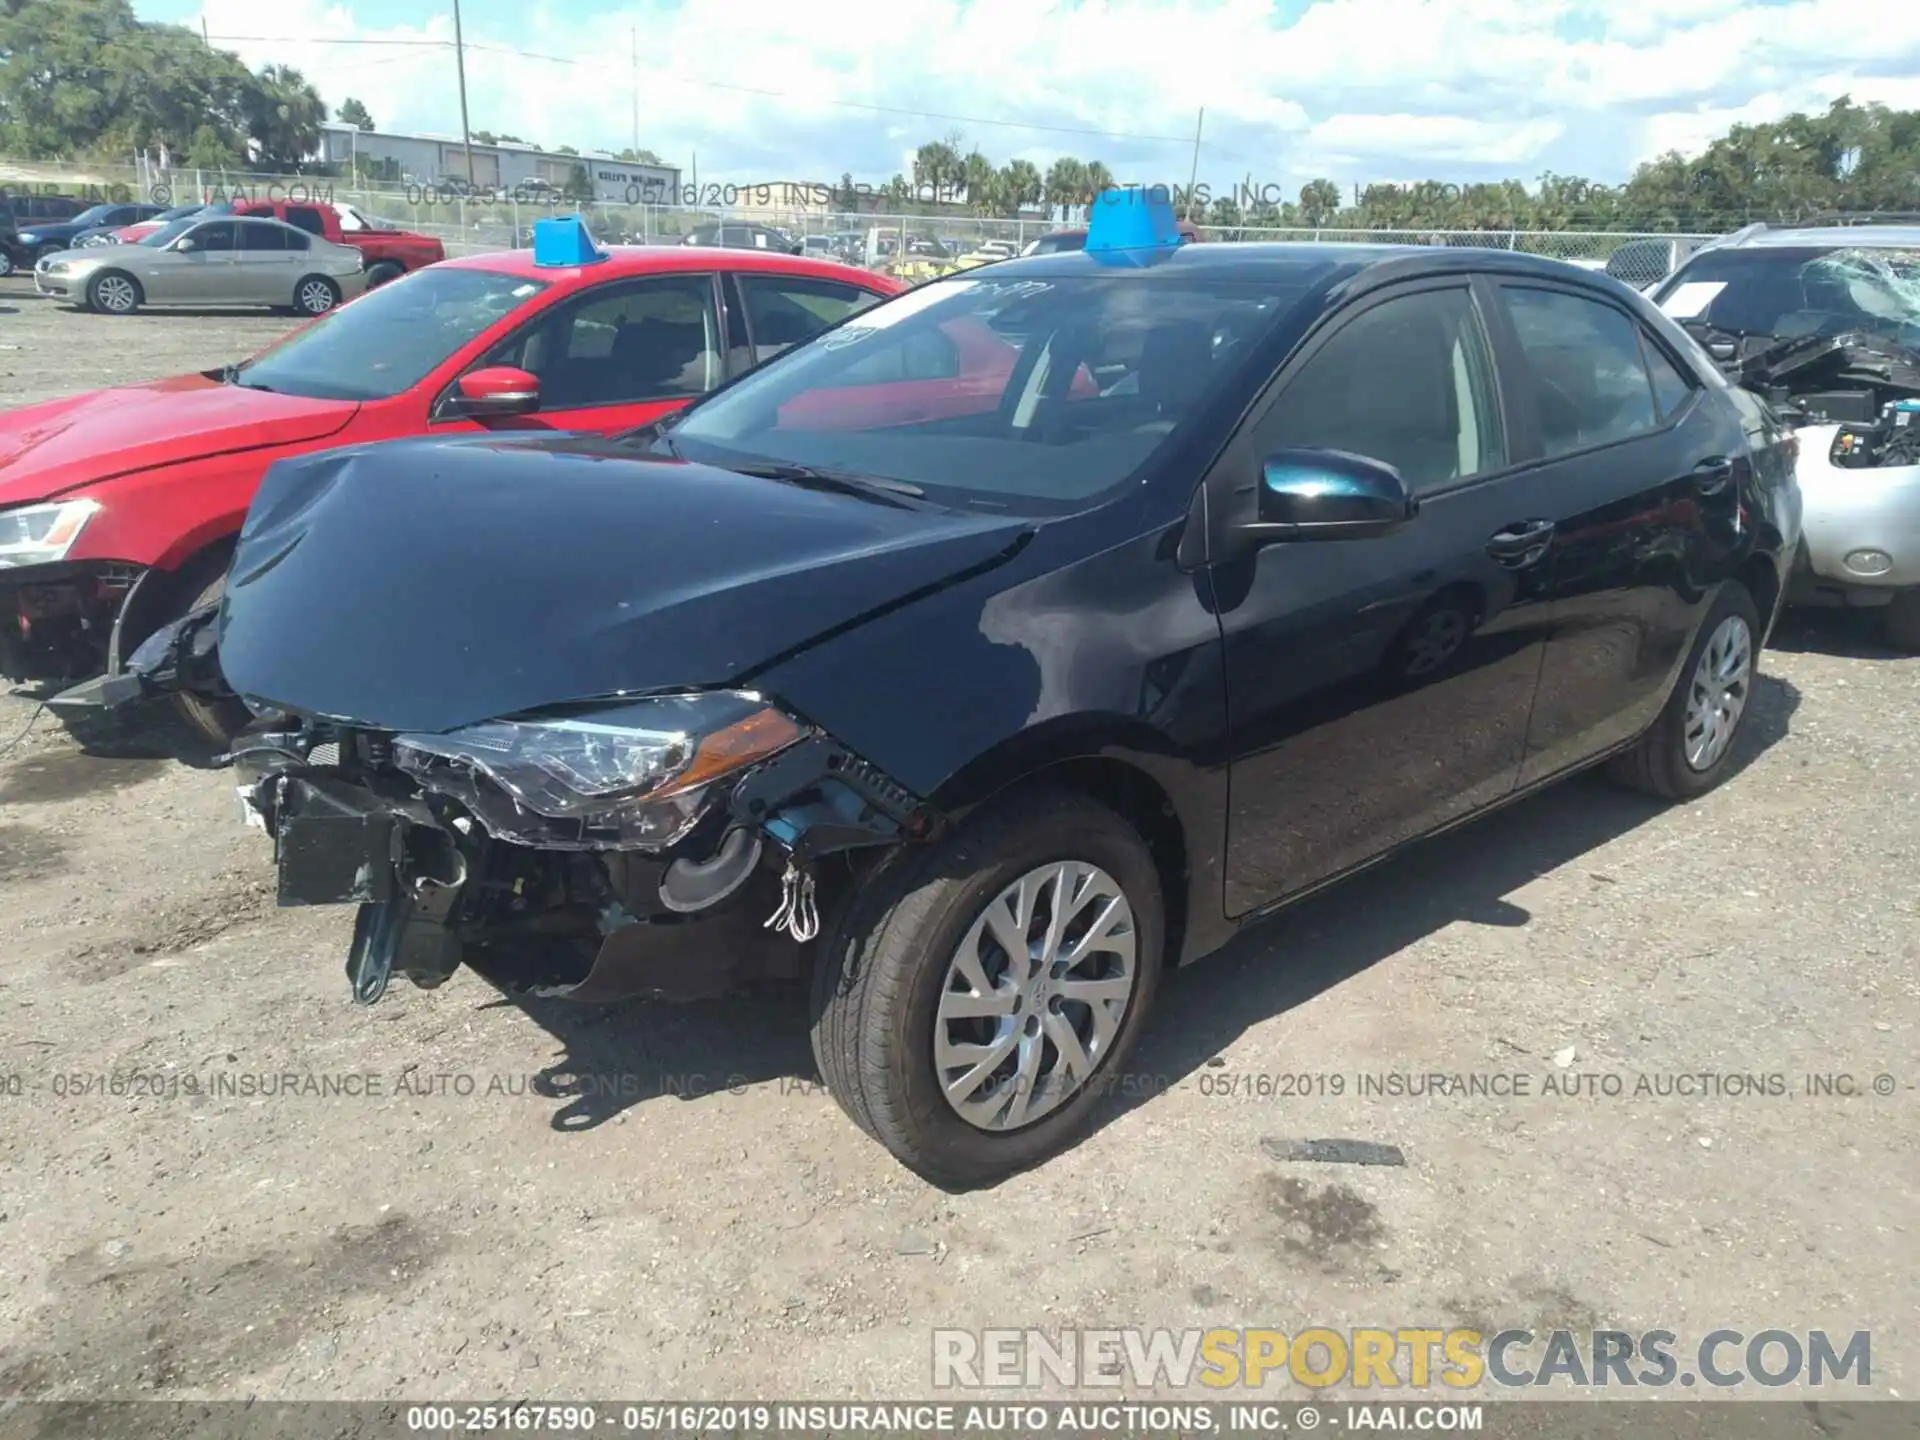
column 662, row 1202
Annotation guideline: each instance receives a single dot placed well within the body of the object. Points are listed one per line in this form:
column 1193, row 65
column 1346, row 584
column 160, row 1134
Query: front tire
column 218, row 718
column 7, row 266
column 315, row 295
column 957, row 1020
column 1690, row 747
column 113, row 292
column 381, row 273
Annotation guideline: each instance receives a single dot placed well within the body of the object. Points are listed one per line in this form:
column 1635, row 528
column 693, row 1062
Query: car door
column 1377, row 688
column 617, row 355
column 202, row 273
column 263, row 268
column 775, row 312
column 1638, row 476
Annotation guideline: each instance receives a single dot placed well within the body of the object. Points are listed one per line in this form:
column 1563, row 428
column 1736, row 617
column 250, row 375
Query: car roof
column 662, row 259
column 1297, row 262
column 1852, row 237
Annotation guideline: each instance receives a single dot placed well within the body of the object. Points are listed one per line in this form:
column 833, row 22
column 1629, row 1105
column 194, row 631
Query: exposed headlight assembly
column 632, row 776
column 29, row 237
column 42, row 534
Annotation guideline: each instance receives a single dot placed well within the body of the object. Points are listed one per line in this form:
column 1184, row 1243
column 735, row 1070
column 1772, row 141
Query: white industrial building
column 430, row 159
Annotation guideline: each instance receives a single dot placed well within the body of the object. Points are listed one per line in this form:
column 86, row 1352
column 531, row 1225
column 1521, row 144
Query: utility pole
column 1193, row 175
column 460, row 62
column 634, row 39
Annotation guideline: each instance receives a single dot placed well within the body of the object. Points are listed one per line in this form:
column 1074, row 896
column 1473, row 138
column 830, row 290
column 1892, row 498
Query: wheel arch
column 151, row 602
column 1170, row 803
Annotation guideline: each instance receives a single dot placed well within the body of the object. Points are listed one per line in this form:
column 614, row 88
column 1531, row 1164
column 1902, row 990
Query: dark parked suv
column 1008, row 643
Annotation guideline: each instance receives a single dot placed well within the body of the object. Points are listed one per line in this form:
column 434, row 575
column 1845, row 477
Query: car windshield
column 1794, row 291
column 1040, row 396
column 390, row 338
column 168, row 233
column 93, row 215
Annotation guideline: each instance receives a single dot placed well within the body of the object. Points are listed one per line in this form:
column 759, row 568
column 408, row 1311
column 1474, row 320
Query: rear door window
column 1589, row 379
column 784, row 311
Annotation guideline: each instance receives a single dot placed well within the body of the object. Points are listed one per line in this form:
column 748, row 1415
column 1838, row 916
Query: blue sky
column 1359, row 90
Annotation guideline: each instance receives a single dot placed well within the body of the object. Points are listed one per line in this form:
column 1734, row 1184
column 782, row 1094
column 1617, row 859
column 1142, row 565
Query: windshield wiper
column 871, row 487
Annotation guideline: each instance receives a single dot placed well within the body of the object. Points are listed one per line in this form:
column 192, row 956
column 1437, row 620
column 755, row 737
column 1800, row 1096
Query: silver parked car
column 1825, row 325
column 219, row 260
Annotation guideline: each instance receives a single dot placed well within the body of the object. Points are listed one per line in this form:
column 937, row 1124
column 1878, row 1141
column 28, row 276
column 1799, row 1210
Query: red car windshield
column 389, row 339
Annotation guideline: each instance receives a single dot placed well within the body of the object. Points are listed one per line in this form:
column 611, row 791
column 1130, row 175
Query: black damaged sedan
column 1013, row 641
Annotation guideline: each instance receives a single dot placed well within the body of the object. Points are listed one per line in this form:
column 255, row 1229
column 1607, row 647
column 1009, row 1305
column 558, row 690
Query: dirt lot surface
column 650, row 1202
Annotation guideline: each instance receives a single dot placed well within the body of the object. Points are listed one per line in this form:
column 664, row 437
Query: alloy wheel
column 1035, row 995
column 316, row 298
column 1435, row 641
column 1717, row 695
column 115, row 293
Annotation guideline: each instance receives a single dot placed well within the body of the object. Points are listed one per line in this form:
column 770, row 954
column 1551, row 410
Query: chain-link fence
column 912, row 244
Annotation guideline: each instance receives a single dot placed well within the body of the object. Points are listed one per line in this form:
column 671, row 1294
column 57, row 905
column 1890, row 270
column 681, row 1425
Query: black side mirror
column 1330, row 495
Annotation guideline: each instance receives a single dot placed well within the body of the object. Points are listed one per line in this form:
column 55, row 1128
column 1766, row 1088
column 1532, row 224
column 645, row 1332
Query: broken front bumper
column 57, row 621
column 436, row 890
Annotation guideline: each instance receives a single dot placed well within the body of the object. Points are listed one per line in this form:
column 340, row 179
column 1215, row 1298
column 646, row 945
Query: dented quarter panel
column 388, row 586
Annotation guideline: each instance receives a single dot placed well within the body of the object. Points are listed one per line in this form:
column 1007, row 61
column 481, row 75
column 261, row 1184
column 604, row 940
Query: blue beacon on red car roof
column 564, row 240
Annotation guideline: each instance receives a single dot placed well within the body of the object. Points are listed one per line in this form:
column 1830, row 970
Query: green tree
column 982, row 182
column 1021, row 186
column 352, row 112
column 1095, row 177
column 283, row 114
column 638, row 157
column 1319, row 202
column 938, row 170
column 1066, row 185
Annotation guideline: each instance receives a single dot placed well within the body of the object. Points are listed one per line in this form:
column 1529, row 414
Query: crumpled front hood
column 429, row 584
column 57, row 446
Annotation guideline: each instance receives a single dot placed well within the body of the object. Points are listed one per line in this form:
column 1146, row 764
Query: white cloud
column 1434, row 137
column 1356, row 88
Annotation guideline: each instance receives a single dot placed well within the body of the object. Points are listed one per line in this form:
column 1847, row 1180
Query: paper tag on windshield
column 1691, row 299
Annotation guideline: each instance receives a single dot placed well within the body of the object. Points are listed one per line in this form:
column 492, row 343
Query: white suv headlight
column 42, row 534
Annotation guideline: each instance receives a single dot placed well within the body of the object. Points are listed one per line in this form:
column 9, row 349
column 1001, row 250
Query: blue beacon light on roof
column 564, row 240
column 1133, row 227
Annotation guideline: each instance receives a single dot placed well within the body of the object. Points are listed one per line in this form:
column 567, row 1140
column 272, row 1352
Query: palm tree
column 1096, row 179
column 982, row 182
column 1021, row 185
column 1066, row 184
column 937, row 170
column 283, row 117
column 1319, row 202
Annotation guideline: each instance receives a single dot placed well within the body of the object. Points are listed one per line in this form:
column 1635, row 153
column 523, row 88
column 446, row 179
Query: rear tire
column 893, row 971
column 1901, row 623
column 114, row 292
column 218, row 718
column 1690, row 747
column 315, row 295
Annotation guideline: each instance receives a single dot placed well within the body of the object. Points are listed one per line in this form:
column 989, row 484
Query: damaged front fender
column 736, row 895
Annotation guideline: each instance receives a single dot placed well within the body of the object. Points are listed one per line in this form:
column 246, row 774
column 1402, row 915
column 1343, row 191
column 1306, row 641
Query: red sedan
column 118, row 508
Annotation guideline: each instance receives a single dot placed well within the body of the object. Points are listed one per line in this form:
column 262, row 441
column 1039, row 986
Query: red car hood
column 51, row 448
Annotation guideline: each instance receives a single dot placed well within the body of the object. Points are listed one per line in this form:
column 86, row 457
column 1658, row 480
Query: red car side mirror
column 496, row 390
